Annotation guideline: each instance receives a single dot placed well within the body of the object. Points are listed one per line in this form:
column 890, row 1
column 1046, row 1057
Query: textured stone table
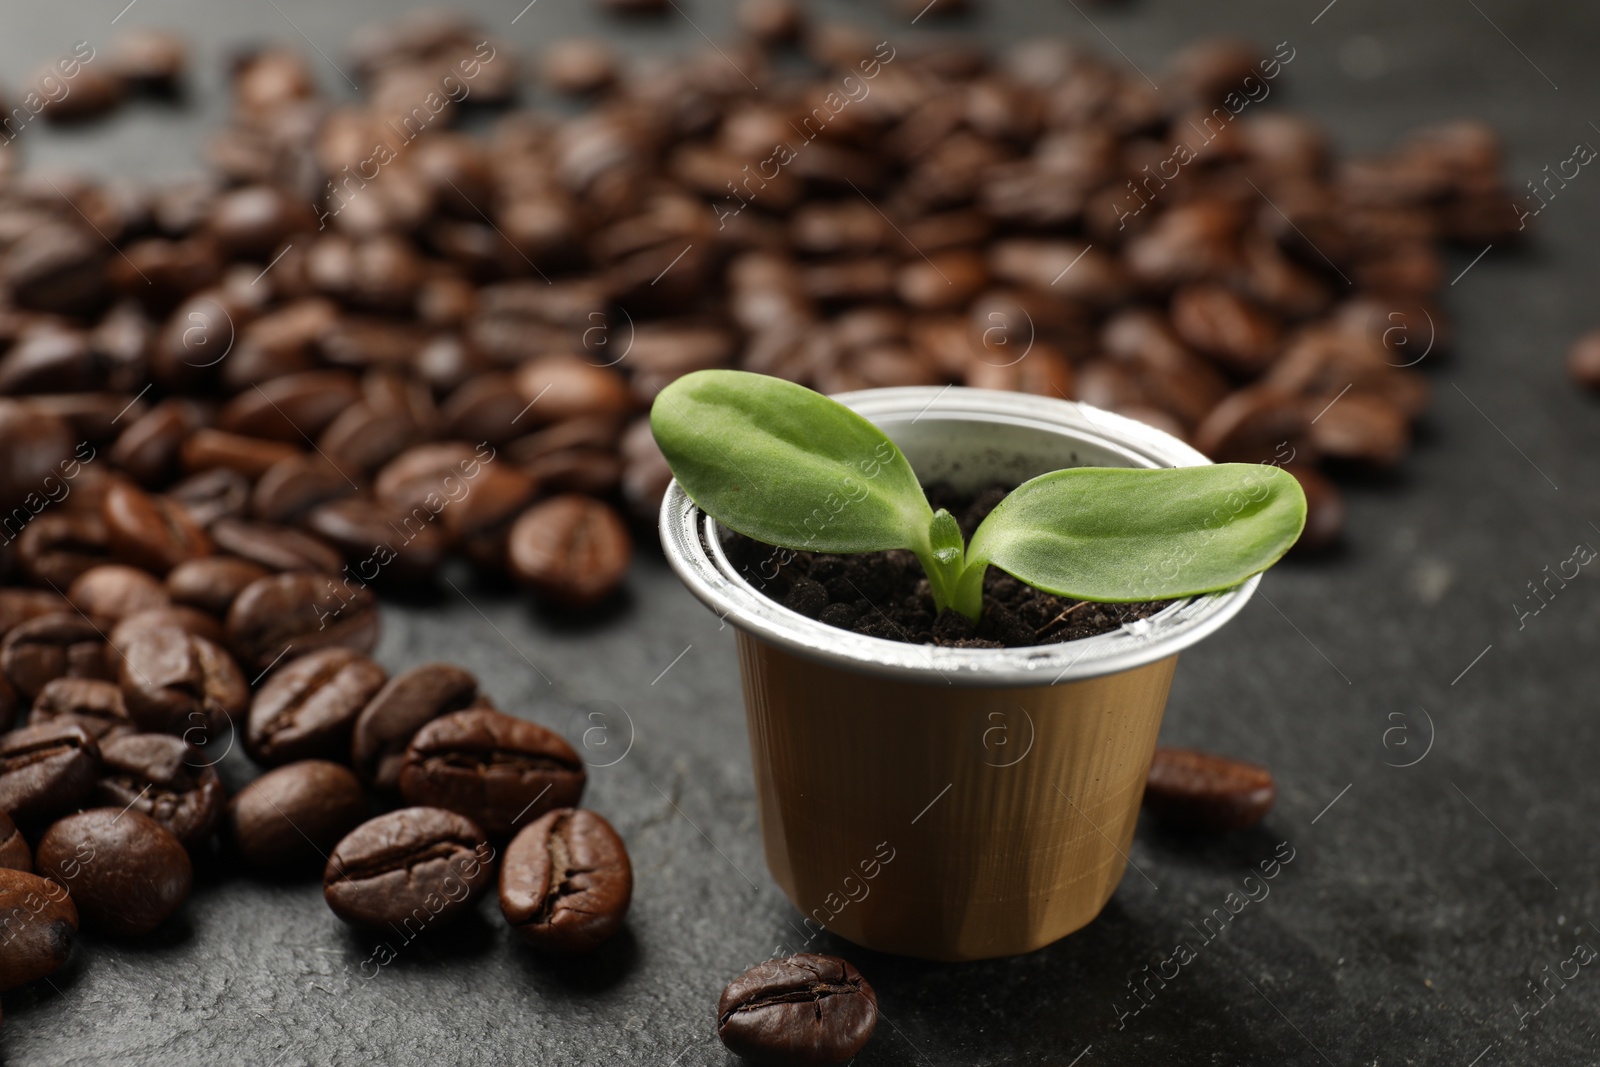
column 1421, row 899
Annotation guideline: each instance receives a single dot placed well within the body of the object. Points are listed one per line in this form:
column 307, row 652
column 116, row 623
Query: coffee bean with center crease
column 54, row 549
column 308, row 707
column 166, row 778
column 218, row 493
column 381, row 542
column 299, row 612
column 799, row 1011
column 126, row 872
column 491, row 767
column 566, row 881
column 402, row 707
column 91, row 703
column 151, row 531
column 176, row 682
column 277, row 548
column 59, row 645
column 46, row 770
column 212, row 584
column 289, row 819
column 41, row 928
column 173, row 616
column 412, row 868
column 1195, row 790
column 19, row 605
column 14, row 852
column 293, row 486
column 573, row 550
column 113, row 591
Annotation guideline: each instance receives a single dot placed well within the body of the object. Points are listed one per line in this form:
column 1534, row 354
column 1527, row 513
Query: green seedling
column 785, row 465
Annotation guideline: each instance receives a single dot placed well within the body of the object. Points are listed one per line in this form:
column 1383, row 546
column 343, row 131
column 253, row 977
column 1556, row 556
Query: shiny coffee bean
column 15, row 855
column 292, row 408
column 277, row 548
column 207, row 449
column 293, row 486
column 566, row 882
column 299, row 612
column 799, row 1011
column 380, row 542
column 495, row 769
column 1196, row 790
column 113, row 591
column 147, row 450
column 46, row 770
column 1583, row 361
column 127, row 874
column 288, row 820
column 173, row 616
column 407, row 703
column 175, row 682
column 308, row 707
column 59, row 645
column 151, row 531
column 213, row 494
column 19, row 605
column 41, row 928
column 212, row 584
column 91, row 703
column 166, row 778
column 414, row 868
column 54, row 549
column 35, row 445
column 572, row 550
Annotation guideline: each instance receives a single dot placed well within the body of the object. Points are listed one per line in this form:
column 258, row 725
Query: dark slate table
column 1421, row 900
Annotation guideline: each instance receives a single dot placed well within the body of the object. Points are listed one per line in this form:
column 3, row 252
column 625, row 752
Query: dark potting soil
column 886, row 594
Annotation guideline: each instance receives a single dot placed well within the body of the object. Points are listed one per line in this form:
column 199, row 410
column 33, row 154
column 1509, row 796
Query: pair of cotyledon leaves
column 788, row 466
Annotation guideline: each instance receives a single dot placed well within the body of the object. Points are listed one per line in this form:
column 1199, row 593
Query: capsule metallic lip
column 943, row 431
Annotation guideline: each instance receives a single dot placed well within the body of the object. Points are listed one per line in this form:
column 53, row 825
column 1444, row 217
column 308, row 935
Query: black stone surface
column 1421, row 899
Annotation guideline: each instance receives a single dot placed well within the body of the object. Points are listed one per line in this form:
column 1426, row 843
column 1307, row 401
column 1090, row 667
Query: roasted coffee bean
column 1359, row 428
column 252, row 457
column 1583, row 361
column 289, row 819
column 211, row 495
column 293, row 486
column 46, row 770
column 308, row 708
column 407, row 703
column 35, row 446
column 48, row 360
column 147, row 450
column 277, row 548
column 41, row 928
column 1196, row 790
column 566, row 881
column 166, row 778
column 151, row 531
column 90, row 94
column 15, row 855
column 577, row 66
column 251, row 223
column 17, row 606
column 566, row 387
column 290, row 409
column 380, row 542
column 1258, row 424
column 299, row 612
column 212, row 584
column 55, row 549
column 491, row 767
column 799, row 1011
column 573, row 550
column 151, row 61
column 61, row 645
column 173, row 616
column 1226, row 326
column 91, row 703
column 173, row 681
column 414, row 867
column 126, row 872
column 113, row 591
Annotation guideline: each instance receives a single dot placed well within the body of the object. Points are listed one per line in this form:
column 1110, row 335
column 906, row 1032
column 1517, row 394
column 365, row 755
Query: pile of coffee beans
column 399, row 791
